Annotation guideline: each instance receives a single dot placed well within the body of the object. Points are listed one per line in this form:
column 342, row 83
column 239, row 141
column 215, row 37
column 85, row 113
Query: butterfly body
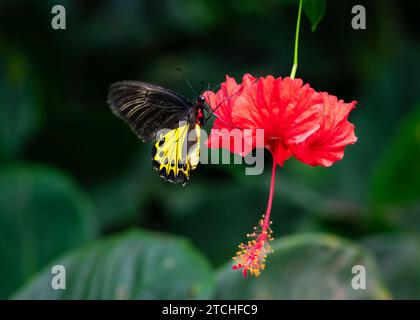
column 173, row 121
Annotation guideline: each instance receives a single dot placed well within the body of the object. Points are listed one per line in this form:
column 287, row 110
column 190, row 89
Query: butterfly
column 168, row 118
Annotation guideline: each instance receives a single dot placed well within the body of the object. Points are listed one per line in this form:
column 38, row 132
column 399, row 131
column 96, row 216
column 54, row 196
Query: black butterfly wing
column 148, row 108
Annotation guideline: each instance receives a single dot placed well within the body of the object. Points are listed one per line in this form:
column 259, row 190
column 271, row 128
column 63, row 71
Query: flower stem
column 270, row 198
column 295, row 58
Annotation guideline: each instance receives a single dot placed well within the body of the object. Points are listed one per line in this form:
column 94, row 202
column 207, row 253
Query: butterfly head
column 201, row 100
column 200, row 104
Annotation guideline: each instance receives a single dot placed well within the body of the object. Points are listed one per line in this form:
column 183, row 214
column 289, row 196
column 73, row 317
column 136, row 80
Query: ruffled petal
column 327, row 145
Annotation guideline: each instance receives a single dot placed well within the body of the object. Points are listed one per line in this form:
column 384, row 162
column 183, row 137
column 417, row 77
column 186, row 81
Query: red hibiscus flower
column 296, row 121
column 286, row 110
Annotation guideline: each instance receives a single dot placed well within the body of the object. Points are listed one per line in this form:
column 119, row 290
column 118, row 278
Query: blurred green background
column 77, row 188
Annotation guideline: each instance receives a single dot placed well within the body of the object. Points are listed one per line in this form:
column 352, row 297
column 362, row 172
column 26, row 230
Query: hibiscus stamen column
column 270, row 198
column 251, row 256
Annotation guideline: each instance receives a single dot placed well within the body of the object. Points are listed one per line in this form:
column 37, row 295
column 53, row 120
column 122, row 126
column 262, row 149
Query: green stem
column 295, row 58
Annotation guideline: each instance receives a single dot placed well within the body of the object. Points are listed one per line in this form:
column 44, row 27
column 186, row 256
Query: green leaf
column 19, row 102
column 315, row 11
column 119, row 200
column 397, row 175
column 135, row 265
column 351, row 178
column 42, row 215
column 306, row 266
column 398, row 257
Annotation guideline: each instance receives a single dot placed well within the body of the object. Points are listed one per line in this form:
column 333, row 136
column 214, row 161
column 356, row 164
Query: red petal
column 327, row 145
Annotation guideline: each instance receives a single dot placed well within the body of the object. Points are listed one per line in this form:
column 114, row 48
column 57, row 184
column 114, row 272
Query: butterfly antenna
column 203, row 84
column 226, row 99
column 214, row 88
column 187, row 81
column 220, row 103
column 208, row 89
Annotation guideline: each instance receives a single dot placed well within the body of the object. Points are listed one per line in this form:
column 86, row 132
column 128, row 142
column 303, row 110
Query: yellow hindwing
column 177, row 152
